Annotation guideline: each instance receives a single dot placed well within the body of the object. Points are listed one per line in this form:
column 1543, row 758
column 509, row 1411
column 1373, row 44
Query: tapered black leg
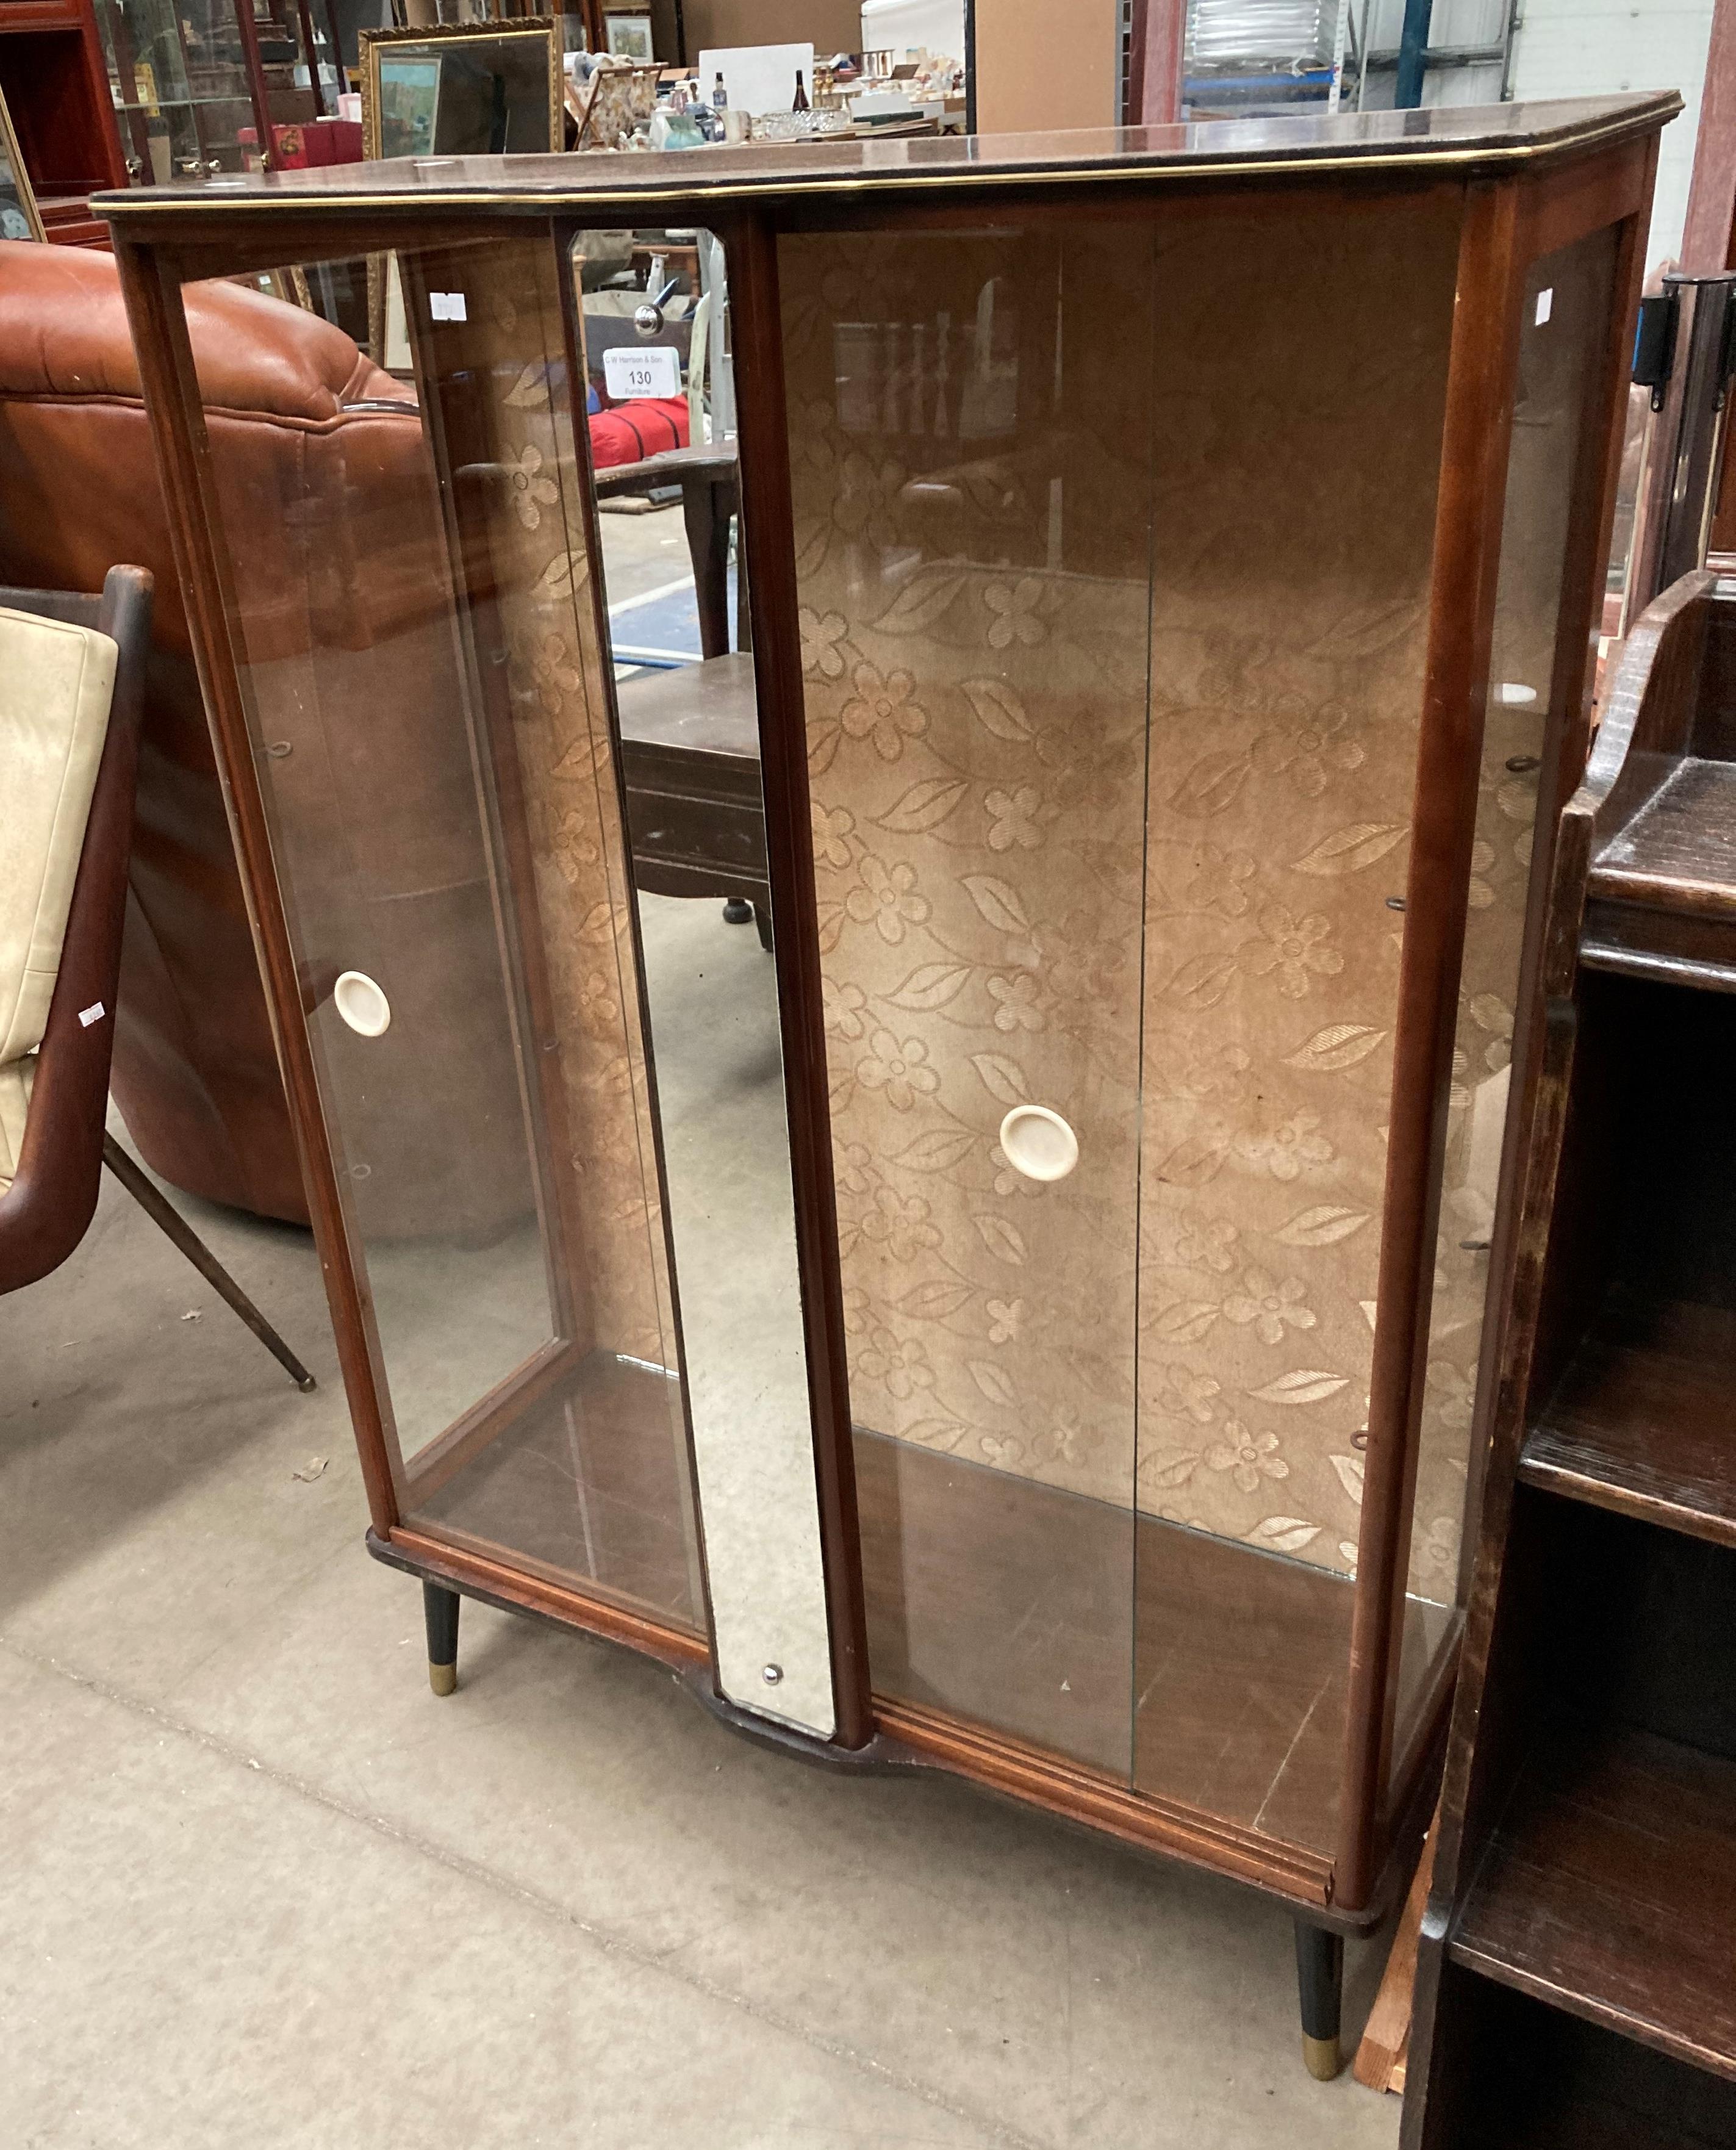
column 440, row 1611
column 762, row 919
column 1320, row 1976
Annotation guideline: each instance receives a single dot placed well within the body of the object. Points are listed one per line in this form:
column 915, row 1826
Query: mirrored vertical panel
column 1562, row 330
column 411, row 608
column 666, row 466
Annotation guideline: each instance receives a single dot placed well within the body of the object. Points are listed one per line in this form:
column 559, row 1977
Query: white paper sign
column 447, row 305
column 654, row 370
column 757, row 78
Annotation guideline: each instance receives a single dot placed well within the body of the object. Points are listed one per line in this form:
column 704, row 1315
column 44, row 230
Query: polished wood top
column 707, row 708
column 1448, row 136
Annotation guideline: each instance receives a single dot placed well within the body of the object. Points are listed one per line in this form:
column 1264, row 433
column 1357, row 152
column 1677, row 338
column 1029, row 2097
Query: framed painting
column 462, row 90
column 627, row 33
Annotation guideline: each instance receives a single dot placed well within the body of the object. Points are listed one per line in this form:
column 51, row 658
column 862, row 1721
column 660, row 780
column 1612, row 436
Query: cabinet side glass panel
column 1563, row 331
column 414, row 624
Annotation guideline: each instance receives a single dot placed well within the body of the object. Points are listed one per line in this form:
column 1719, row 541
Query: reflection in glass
column 180, row 77
column 690, row 757
column 461, row 94
column 1567, row 296
column 420, row 661
column 1114, row 637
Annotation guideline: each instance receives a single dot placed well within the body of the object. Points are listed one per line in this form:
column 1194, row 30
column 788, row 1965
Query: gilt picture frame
column 413, row 85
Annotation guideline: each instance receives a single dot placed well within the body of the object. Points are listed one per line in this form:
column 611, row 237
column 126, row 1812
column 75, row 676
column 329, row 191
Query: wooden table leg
column 706, row 509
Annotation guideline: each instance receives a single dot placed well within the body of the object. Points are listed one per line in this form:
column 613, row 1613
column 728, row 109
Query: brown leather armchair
column 382, row 800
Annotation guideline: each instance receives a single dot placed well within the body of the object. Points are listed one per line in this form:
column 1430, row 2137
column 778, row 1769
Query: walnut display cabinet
column 1029, row 1319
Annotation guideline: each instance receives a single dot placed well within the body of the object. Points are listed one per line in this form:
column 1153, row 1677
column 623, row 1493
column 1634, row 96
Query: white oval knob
column 1513, row 695
column 362, row 1004
column 1039, row 1142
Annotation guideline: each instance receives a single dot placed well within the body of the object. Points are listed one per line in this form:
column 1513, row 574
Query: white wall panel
column 1593, row 47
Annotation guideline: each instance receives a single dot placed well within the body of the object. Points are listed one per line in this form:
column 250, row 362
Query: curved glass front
column 413, row 609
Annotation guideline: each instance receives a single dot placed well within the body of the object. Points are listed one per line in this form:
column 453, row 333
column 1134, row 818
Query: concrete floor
column 259, row 1887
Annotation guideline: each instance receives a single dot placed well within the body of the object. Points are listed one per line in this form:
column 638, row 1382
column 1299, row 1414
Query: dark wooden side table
column 690, row 736
column 710, row 498
column 690, row 752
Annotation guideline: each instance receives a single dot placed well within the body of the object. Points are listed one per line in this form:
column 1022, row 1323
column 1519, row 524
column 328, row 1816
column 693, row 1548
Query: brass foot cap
column 443, row 1679
column 1321, row 2055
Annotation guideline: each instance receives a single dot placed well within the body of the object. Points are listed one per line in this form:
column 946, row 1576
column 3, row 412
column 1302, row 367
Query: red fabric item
column 643, row 427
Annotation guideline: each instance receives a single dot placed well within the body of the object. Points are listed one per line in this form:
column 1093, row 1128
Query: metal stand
column 150, row 1199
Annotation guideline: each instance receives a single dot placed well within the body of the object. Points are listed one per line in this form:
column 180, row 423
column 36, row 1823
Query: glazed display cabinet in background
column 1174, row 561
column 103, row 92
column 53, row 81
column 198, row 85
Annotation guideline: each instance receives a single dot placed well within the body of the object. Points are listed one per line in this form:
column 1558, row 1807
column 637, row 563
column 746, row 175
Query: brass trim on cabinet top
column 136, row 210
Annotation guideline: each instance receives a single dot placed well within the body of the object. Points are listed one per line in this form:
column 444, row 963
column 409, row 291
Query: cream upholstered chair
column 71, row 672
column 57, row 681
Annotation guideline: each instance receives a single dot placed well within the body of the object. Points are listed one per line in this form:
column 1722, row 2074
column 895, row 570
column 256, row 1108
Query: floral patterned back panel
column 1113, row 555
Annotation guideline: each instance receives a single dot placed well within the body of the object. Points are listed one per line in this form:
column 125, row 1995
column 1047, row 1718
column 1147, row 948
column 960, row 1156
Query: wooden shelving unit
column 56, row 83
column 1577, row 1979
column 1615, row 1852
column 1550, row 2080
column 1643, row 1420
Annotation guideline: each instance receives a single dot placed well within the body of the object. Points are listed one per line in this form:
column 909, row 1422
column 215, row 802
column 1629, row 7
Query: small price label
column 655, row 371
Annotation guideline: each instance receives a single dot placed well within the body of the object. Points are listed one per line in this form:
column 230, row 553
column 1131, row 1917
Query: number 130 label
column 654, row 371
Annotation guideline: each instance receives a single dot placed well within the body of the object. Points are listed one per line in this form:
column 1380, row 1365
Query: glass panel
column 419, row 656
column 970, row 433
column 662, row 436
column 1114, row 555
column 1303, row 440
column 1566, row 308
